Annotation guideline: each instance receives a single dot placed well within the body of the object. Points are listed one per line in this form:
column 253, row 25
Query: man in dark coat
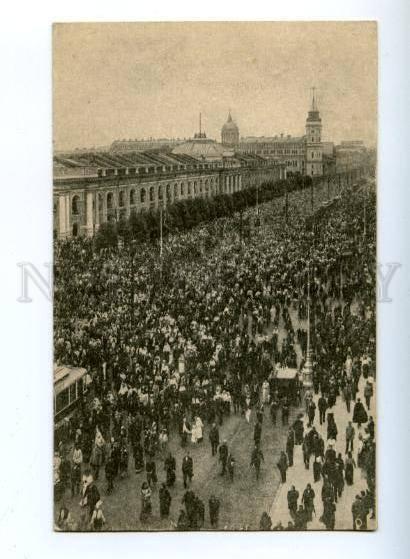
column 169, row 467
column 274, row 410
column 298, row 429
column 322, row 405
column 223, row 456
column 370, row 428
column 290, row 444
column 231, row 466
column 90, row 493
column 347, row 393
column 359, row 413
column 329, row 509
column 306, row 451
column 189, row 500
column 214, row 438
column 256, row 459
column 293, row 496
column 199, row 512
column 151, row 469
column 257, row 433
column 319, row 446
column 214, row 511
column 300, row 519
column 282, row 465
column 187, row 469
column 109, row 474
column 285, row 413
column 138, row 453
column 350, row 435
column 311, row 412
column 308, row 501
column 164, row 501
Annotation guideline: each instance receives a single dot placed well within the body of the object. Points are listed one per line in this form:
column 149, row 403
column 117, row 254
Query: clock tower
column 314, row 148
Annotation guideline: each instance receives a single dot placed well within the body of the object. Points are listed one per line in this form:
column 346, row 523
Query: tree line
column 183, row 215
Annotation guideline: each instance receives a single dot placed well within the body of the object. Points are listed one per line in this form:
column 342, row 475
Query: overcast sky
column 115, row 81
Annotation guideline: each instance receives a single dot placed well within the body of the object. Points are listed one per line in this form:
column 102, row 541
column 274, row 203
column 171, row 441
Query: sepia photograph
column 215, row 263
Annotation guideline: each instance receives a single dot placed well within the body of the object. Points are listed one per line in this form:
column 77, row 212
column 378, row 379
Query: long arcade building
column 90, row 189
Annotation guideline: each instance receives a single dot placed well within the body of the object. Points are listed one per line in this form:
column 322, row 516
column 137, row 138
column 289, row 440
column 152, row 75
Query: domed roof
column 200, row 147
column 230, row 125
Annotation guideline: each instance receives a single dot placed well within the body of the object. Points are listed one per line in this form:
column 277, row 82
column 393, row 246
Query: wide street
column 242, row 501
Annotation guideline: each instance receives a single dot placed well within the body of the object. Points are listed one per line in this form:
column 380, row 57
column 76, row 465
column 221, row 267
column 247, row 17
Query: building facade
column 83, row 201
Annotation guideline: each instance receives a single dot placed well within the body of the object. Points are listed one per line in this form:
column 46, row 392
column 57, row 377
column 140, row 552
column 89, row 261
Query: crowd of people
column 174, row 345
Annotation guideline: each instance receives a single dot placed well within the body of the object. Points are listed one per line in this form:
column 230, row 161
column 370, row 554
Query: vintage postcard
column 214, row 197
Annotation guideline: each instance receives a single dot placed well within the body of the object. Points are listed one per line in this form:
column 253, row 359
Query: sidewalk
column 298, row 476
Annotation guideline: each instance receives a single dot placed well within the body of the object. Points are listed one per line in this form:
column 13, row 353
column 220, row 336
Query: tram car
column 69, row 386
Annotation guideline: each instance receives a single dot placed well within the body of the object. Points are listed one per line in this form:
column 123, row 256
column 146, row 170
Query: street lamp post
column 311, row 195
column 308, row 367
column 132, row 254
column 257, row 198
column 160, row 243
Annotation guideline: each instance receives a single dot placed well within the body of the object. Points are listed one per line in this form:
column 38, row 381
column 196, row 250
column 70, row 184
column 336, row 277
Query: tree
column 107, row 235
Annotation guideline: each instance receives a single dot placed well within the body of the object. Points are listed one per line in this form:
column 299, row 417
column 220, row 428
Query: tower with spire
column 314, row 148
column 230, row 132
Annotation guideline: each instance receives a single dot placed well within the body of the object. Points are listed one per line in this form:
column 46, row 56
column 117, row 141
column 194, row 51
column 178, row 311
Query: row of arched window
column 143, row 195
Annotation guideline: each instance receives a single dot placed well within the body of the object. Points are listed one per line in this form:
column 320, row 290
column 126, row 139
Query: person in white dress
column 197, row 430
column 265, row 392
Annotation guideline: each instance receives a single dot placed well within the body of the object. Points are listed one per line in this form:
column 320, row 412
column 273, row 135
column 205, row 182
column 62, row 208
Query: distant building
column 230, row 133
column 120, row 146
column 201, row 147
column 328, row 148
column 289, row 150
column 350, row 154
column 302, row 155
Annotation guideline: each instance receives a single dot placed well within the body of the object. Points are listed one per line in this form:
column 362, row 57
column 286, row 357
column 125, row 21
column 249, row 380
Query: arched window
column 206, row 186
column 143, row 195
column 189, row 189
column 200, row 186
column 121, row 199
column 160, row 192
column 195, row 188
column 132, row 197
column 110, row 201
column 182, row 189
column 75, row 205
column 168, row 193
column 151, row 194
column 175, row 191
